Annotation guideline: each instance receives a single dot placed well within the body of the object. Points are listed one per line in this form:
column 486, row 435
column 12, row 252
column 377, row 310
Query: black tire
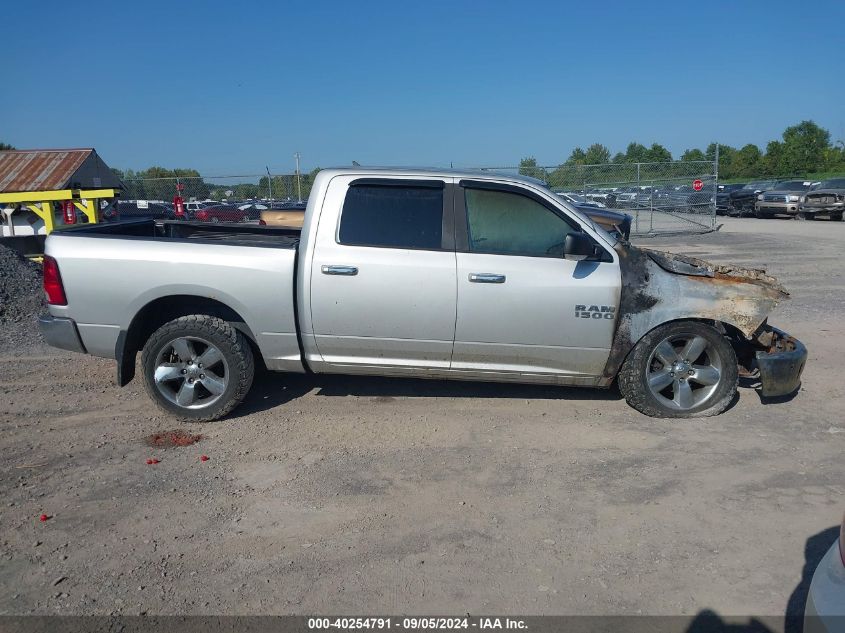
column 837, row 217
column 235, row 358
column 806, row 216
column 633, row 377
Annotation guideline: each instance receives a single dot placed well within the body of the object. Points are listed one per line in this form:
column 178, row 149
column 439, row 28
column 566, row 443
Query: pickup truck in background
column 419, row 273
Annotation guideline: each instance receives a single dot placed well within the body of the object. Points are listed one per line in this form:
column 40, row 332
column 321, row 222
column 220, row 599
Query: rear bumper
column 781, row 363
column 60, row 332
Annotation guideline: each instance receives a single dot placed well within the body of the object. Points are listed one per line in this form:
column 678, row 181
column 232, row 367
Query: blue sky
column 230, row 87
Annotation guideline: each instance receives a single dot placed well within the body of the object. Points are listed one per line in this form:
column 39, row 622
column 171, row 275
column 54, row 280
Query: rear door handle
column 486, row 278
column 339, row 270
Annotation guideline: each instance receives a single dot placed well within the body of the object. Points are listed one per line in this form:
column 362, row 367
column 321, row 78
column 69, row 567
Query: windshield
column 792, row 185
column 833, row 183
column 760, row 184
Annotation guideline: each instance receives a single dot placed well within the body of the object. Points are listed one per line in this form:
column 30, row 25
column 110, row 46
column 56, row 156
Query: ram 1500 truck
column 421, row 273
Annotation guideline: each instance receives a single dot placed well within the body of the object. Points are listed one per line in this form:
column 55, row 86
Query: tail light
column 53, row 288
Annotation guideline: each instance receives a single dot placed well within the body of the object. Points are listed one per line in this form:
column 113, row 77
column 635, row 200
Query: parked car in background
column 782, row 199
column 723, row 196
column 140, row 210
column 824, row 198
column 195, row 205
column 741, row 202
column 220, row 213
column 582, row 200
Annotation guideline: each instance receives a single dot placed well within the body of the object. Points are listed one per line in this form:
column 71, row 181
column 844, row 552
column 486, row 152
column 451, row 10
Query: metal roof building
column 54, row 169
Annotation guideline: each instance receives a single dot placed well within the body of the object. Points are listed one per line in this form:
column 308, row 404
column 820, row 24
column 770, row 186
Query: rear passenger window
column 393, row 216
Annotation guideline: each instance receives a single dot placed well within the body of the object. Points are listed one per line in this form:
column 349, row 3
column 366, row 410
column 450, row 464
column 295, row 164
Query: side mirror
column 578, row 246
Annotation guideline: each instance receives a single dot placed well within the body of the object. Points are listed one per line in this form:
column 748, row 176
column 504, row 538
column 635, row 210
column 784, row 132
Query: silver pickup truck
column 422, row 273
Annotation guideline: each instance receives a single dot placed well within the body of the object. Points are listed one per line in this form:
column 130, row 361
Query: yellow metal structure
column 41, row 202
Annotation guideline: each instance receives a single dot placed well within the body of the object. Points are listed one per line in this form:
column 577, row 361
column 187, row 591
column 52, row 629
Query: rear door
column 383, row 288
column 524, row 310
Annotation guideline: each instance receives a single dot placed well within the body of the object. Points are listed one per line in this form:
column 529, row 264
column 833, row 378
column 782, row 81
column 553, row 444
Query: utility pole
column 269, row 181
column 298, row 183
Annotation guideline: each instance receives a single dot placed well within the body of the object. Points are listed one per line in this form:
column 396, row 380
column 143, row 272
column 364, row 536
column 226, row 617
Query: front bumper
column 822, row 209
column 60, row 332
column 785, row 208
column 781, row 363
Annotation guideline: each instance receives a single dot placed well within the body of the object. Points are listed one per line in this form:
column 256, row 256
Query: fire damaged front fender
column 659, row 287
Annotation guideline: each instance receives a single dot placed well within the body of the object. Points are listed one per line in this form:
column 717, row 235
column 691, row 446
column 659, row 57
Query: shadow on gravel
column 746, row 382
column 707, row 621
column 272, row 389
column 814, row 550
column 382, row 388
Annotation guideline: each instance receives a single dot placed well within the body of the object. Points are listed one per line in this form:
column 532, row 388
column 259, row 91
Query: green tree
column 577, row 157
column 658, row 154
column 771, row 162
column 5, row 146
column 693, row 155
column 636, row 153
column 804, row 148
column 746, row 162
column 597, row 154
column 528, row 167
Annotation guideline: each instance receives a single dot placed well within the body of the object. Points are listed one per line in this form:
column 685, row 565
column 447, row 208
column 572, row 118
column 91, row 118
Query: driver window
column 507, row 223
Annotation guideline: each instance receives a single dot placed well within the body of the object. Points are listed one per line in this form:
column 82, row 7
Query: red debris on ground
column 203, row 458
column 172, row 439
column 43, row 518
column 152, row 460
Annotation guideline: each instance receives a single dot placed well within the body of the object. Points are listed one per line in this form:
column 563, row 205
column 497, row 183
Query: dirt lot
column 397, row 496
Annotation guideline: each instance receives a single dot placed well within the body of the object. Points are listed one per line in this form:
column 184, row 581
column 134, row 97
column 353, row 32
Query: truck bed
column 116, row 271
column 235, row 234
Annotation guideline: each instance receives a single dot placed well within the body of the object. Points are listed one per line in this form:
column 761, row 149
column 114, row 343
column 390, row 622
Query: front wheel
column 680, row 370
column 197, row 367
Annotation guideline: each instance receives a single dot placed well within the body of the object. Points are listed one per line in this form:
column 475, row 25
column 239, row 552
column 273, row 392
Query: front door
column 522, row 308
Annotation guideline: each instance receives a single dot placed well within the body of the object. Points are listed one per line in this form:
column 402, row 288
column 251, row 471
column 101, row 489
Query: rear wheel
column 197, row 367
column 680, row 370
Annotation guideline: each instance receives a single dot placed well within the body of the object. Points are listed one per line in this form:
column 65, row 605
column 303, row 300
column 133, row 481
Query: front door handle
column 339, row 270
column 486, row 278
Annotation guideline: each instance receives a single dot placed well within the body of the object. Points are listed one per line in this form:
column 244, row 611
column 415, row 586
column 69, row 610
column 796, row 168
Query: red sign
column 697, row 185
column 178, row 206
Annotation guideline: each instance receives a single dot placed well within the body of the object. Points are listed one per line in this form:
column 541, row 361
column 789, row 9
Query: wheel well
column 160, row 311
column 743, row 349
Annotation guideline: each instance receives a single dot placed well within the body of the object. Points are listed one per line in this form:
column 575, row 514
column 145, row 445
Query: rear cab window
column 406, row 214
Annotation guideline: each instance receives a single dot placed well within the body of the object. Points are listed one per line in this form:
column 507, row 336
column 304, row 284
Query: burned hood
column 684, row 265
column 658, row 287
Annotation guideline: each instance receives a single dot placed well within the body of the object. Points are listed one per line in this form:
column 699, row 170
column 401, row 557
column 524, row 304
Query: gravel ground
column 21, row 301
column 354, row 495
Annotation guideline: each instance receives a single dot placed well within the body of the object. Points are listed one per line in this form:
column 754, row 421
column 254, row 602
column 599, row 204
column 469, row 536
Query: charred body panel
column 659, row 287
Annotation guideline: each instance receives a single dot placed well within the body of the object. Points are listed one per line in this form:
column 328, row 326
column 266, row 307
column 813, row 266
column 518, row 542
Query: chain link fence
column 662, row 198
column 211, row 199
